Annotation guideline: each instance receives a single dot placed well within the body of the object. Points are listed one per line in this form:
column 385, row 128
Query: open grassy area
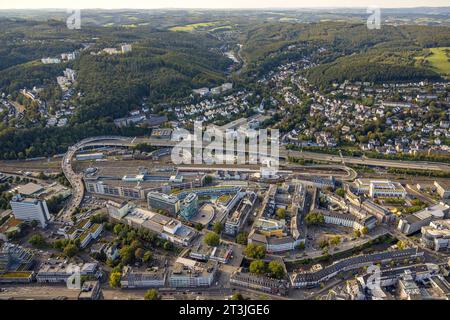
column 438, row 59
column 193, row 26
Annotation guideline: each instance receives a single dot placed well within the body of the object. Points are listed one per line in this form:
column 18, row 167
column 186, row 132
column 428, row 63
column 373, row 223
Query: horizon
column 228, row 5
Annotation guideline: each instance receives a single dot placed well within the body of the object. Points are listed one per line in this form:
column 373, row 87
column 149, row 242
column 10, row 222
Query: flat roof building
column 162, row 201
column 28, row 209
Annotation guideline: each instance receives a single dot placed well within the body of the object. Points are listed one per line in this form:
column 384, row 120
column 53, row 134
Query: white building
column 28, row 209
column 127, row 48
column 414, row 222
column 380, row 188
column 437, row 235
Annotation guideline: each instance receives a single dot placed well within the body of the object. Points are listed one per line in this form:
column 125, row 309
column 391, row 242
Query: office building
column 414, row 222
column 28, row 209
column 189, row 206
column 161, row 201
column 436, row 236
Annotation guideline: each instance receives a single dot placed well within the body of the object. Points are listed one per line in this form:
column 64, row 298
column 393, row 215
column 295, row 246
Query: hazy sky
column 151, row 4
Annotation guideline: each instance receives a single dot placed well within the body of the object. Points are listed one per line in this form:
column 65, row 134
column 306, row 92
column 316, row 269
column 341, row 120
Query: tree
column 218, row 227
column 126, row 254
column 208, row 180
column 70, row 250
column 301, row 246
column 281, row 213
column 152, row 294
column 242, row 238
column 364, row 231
column 37, row 241
column 147, row 256
column 314, row 218
column 212, row 239
column 401, row 245
column 276, row 269
column 340, row 192
column 334, row 241
column 237, row 296
column 357, row 233
column 139, row 253
column 117, row 229
column 257, row 267
column 254, row 251
column 114, row 279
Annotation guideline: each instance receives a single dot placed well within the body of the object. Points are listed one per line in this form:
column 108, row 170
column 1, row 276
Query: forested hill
column 350, row 50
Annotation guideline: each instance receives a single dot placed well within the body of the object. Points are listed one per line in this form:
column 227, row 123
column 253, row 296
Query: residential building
column 259, row 283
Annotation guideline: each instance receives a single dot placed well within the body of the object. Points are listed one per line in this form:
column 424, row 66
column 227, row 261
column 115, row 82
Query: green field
column 438, row 59
column 193, row 26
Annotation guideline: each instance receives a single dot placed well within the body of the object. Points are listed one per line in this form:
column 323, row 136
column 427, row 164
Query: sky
column 215, row 4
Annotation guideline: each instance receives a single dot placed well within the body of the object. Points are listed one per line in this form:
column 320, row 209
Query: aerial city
column 219, row 154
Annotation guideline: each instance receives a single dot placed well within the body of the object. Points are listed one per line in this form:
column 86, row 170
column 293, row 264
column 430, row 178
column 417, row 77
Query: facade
column 142, row 279
column 380, row 188
column 414, row 222
column 312, row 279
column 189, row 206
column 162, row 201
column 90, row 290
column 259, row 283
column 117, row 210
column 54, row 271
column 436, row 236
column 28, row 209
column 380, row 213
column 188, row 273
column 237, row 219
column 89, row 156
column 350, row 221
column 443, row 189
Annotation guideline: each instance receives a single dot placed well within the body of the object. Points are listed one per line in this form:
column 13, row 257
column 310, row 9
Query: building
column 350, row 221
column 187, row 273
column 126, row 48
column 311, row 279
column 380, row 188
column 414, row 222
column 162, row 134
column 237, row 219
column 55, row 271
column 131, row 279
column 28, row 209
column 259, row 283
column 90, row 290
column 14, row 257
column 166, row 228
column 117, row 210
column 30, row 189
column 443, row 189
column 162, row 201
column 436, row 236
column 380, row 213
column 204, row 253
column 89, row 156
column 189, row 206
